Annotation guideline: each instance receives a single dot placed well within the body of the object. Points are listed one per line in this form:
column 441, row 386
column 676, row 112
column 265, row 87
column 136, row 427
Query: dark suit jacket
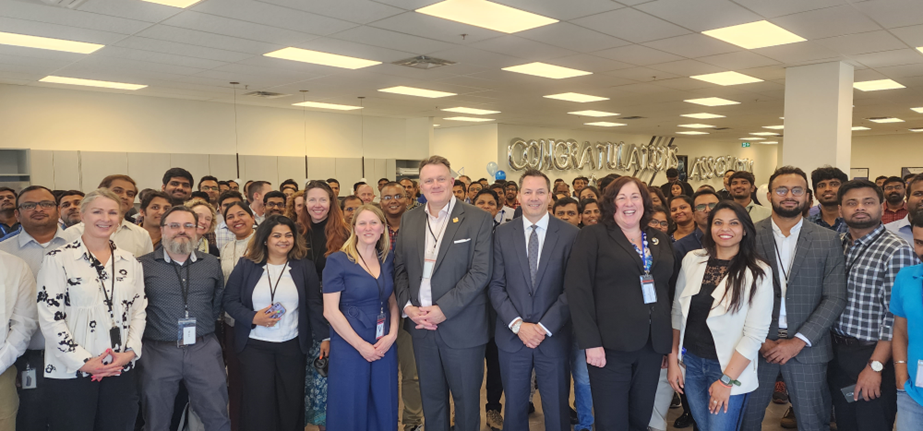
column 603, row 287
column 816, row 292
column 238, row 301
column 460, row 276
column 513, row 295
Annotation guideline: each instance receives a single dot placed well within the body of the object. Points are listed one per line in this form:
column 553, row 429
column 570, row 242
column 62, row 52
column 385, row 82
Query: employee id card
column 919, row 382
column 380, row 326
column 429, row 263
column 648, row 291
column 185, row 335
column 27, row 377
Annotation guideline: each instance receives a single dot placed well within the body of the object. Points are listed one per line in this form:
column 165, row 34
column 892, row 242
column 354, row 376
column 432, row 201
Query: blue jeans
column 583, row 398
column 700, row 374
column 909, row 413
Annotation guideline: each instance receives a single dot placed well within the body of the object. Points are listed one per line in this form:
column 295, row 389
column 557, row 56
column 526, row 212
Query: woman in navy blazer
column 277, row 290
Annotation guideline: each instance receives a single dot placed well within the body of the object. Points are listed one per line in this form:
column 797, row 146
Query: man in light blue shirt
column 907, row 343
column 902, row 227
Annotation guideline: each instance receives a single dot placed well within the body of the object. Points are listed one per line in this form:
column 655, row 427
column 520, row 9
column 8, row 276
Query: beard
column 863, row 224
column 895, row 198
column 179, row 247
column 788, row 213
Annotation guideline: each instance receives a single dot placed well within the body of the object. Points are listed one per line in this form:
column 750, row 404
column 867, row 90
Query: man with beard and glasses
column 512, row 192
column 742, row 187
column 274, row 203
column 69, row 208
column 861, row 376
column 184, row 289
column 827, row 181
column 894, row 200
column 902, row 227
column 810, row 293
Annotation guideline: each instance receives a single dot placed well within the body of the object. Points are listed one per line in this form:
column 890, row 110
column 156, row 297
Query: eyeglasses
column 275, row 204
column 29, row 206
column 209, row 189
column 701, row 207
column 655, row 223
column 796, row 191
column 894, row 188
column 387, row 198
column 177, row 226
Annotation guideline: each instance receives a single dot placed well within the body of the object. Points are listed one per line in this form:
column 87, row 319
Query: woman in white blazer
column 721, row 315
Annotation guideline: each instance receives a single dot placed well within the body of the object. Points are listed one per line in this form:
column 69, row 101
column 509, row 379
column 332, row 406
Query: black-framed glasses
column 29, row 206
column 661, row 223
column 275, row 204
column 796, row 191
column 701, row 207
column 387, row 198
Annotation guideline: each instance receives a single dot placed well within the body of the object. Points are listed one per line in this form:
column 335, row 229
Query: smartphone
column 276, row 311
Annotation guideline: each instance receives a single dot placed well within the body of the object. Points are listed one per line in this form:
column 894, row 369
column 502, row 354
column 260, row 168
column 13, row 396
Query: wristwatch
column 516, row 327
column 876, row 366
column 726, row 380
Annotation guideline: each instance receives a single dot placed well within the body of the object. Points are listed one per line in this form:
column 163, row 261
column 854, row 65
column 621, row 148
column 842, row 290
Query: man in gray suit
column 533, row 319
column 808, row 272
column 442, row 264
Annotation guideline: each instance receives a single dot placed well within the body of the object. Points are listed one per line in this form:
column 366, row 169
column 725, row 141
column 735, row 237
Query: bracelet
column 722, row 384
column 900, row 362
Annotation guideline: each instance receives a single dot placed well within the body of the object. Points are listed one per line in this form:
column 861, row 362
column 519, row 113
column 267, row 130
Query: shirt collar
column 795, row 229
column 542, row 223
column 446, row 210
column 25, row 238
column 166, row 257
column 868, row 238
column 84, row 252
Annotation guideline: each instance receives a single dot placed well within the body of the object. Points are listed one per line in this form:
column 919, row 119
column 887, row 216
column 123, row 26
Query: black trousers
column 81, row 404
column 624, row 390
column 843, row 371
column 272, row 385
column 32, row 415
column 494, row 382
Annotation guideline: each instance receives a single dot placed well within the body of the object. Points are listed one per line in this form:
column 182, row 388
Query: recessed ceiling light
column 605, row 124
column 881, row 120
column 487, row 15
column 697, row 126
column 727, row 78
column 435, row 125
column 781, row 118
column 702, row 116
column 758, row 34
column 916, row 129
column 469, row 119
column 576, row 97
column 322, row 58
column 174, row 3
column 546, row 70
column 917, row 110
column 764, row 134
column 712, row 101
column 691, row 132
column 779, row 127
column 48, row 43
column 876, row 85
column 920, row 48
column 768, row 142
column 591, row 113
column 91, row 83
column 463, row 110
column 859, row 128
column 322, row 105
column 419, row 92
column 751, row 138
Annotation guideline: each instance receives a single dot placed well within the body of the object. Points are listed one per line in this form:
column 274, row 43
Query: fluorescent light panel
column 321, row 58
column 886, row 120
column 419, row 92
column 860, row 128
column 916, row 129
column 91, row 83
column 697, row 126
column 727, row 78
column 322, row 105
column 768, row 142
column 576, row 97
column 174, row 3
column 780, row 127
column 691, row 132
column 751, row 138
column 485, row 14
column 605, row 124
column 712, row 101
column 592, row 113
column 877, row 85
column 764, row 134
column 546, row 70
column 473, row 111
column 48, row 43
column 917, row 110
column 702, row 116
column 469, row 119
column 758, row 34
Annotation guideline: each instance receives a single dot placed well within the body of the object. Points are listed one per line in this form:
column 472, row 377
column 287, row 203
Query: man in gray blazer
column 809, row 273
column 533, row 320
column 442, row 264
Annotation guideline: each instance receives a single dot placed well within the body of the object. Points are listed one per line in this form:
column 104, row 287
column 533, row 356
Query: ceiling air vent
column 633, row 117
column 70, row 4
column 423, row 62
column 266, row 94
column 722, row 128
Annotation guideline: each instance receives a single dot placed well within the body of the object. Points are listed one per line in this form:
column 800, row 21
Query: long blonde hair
column 384, row 243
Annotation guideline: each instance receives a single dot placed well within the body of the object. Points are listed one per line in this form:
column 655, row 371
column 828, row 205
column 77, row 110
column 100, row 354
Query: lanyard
column 791, row 262
column 865, row 248
column 378, row 281
column 645, row 253
column 184, row 287
column 272, row 290
column 103, row 285
column 444, row 225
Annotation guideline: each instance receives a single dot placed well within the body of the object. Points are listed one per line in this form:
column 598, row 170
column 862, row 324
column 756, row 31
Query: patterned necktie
column 533, row 254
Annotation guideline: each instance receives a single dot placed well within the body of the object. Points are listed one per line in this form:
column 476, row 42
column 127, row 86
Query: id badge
column 276, row 312
column 380, row 327
column 429, row 262
column 27, row 378
column 115, row 337
column 647, row 289
column 185, row 335
column 919, row 382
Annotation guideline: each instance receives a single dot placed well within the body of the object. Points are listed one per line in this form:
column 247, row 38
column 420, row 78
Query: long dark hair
column 747, row 258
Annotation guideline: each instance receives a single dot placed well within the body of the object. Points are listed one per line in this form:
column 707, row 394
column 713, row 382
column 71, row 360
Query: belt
column 198, row 340
column 850, row 341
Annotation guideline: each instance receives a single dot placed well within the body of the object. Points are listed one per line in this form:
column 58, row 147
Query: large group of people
column 255, row 308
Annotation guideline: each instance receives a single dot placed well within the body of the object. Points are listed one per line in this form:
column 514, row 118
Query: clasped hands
column 781, row 351
column 98, row 369
column 531, row 334
column 425, row 317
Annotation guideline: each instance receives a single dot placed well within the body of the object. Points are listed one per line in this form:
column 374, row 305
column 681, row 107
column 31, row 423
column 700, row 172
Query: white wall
column 886, row 155
column 468, row 147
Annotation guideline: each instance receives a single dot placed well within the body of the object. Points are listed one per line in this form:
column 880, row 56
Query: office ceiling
column 640, row 53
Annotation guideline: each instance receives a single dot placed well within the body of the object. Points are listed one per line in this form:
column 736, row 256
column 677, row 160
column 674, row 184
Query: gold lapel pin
column 455, row 220
column 655, row 241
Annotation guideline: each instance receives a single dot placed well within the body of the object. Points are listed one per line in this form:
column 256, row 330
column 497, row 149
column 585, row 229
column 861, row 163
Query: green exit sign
column 745, row 144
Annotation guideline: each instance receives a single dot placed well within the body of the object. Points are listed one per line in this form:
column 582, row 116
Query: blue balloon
column 501, row 175
column 492, row 168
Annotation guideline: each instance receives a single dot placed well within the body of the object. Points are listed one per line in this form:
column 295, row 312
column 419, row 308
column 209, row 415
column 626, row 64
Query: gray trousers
column 442, row 370
column 807, row 389
column 200, row 366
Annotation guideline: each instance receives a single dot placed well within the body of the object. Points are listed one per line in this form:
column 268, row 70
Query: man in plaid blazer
column 809, row 273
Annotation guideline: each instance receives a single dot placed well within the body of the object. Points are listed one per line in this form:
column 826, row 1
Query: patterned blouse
column 73, row 312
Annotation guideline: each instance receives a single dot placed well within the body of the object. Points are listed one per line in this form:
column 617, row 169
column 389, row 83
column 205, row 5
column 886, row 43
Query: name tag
column 380, row 327
column 429, row 263
column 185, row 335
column 919, row 382
column 27, row 378
column 648, row 291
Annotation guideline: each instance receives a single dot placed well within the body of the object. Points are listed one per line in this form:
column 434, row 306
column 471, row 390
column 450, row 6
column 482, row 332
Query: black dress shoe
column 531, row 408
column 684, row 421
column 573, row 416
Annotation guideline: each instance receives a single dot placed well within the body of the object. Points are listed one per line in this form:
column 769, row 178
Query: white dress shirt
column 541, row 229
column 287, row 294
column 786, row 246
column 438, row 224
column 504, row 215
column 128, row 237
column 18, row 312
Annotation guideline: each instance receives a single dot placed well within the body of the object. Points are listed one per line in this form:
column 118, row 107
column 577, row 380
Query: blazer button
column 778, row 295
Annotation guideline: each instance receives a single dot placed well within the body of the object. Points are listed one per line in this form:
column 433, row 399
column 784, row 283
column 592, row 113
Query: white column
column 818, row 116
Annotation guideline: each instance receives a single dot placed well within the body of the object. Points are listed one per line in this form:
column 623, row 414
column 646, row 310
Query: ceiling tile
column 562, row 10
column 211, row 40
column 828, row 22
column 893, row 13
column 136, row 10
column 570, row 36
column 861, row 43
column 693, row 45
column 184, row 49
column 592, row 63
column 158, row 57
column 42, row 29
column 358, row 11
column 354, row 49
column 890, row 58
column 631, row 25
column 431, row 27
column 272, row 15
column 700, row 15
column 235, row 28
column 687, row 67
column 36, row 11
column 641, row 74
column 526, row 49
column 904, row 71
column 776, row 8
column 94, row 63
column 738, row 60
column 477, row 57
column 638, row 55
column 797, row 53
column 391, row 39
column 912, row 35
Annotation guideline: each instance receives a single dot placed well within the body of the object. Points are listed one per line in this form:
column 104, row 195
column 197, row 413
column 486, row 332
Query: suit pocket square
column 462, row 240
